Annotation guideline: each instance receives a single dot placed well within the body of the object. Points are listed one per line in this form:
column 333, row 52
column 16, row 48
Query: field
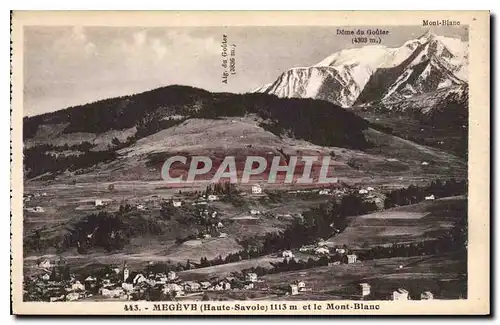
column 417, row 274
column 423, row 221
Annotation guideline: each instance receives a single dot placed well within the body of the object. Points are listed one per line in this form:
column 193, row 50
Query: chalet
column 127, row 286
column 90, row 279
column 425, row 163
column 256, row 189
column 220, row 225
column 251, row 277
column 321, row 251
column 205, row 285
column 107, row 283
column 222, row 235
column 254, row 212
column 306, row 248
column 56, row 298
column 171, row 275
column 426, row 295
column 207, row 236
column 365, row 289
column 98, row 203
column 430, row 197
column 77, row 286
column 293, row 289
column 191, row 286
column 45, row 264
column 176, row 204
column 340, row 250
column 212, row 197
column 350, row 259
column 112, row 292
column 225, row 285
column 139, row 278
column 173, row 287
column 400, row 294
column 363, row 191
column 301, row 285
column 322, row 243
column 141, row 207
column 287, row 253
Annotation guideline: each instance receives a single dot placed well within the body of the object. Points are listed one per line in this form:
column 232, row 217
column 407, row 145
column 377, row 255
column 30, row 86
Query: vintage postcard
column 250, row 163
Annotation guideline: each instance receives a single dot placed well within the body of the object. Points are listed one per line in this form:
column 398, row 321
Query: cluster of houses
column 124, row 285
column 398, row 294
column 28, row 197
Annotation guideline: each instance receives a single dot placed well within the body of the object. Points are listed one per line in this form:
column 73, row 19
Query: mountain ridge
column 343, row 76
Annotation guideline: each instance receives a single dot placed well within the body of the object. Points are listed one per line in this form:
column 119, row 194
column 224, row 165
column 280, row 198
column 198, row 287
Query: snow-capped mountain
column 375, row 73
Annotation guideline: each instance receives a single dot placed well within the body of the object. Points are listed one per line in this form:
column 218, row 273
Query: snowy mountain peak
column 374, row 72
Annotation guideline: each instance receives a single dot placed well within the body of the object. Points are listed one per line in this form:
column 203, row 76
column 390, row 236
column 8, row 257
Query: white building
column 171, row 275
column 365, row 289
column 256, row 189
column 251, row 277
column 430, row 197
column 72, row 296
column 363, row 191
column 173, row 288
column 369, row 188
column 352, row 258
column 340, row 250
column 222, row 235
column 426, row 295
column 138, row 279
column 77, row 286
column 212, row 197
column 324, row 192
column 45, row 264
column 400, row 294
column 322, row 251
column 98, row 203
column 127, row 286
column 254, row 212
column 287, row 253
column 425, row 163
column 176, row 204
column 294, row 289
column 191, row 286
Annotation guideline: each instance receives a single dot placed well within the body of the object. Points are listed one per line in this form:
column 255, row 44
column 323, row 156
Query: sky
column 74, row 65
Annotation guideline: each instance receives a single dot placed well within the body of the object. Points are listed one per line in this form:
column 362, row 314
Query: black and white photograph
column 278, row 164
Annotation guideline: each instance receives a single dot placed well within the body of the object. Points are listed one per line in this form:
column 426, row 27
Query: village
column 55, row 283
column 52, row 281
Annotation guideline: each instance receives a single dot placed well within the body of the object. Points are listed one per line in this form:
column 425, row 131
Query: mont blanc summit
column 376, row 72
